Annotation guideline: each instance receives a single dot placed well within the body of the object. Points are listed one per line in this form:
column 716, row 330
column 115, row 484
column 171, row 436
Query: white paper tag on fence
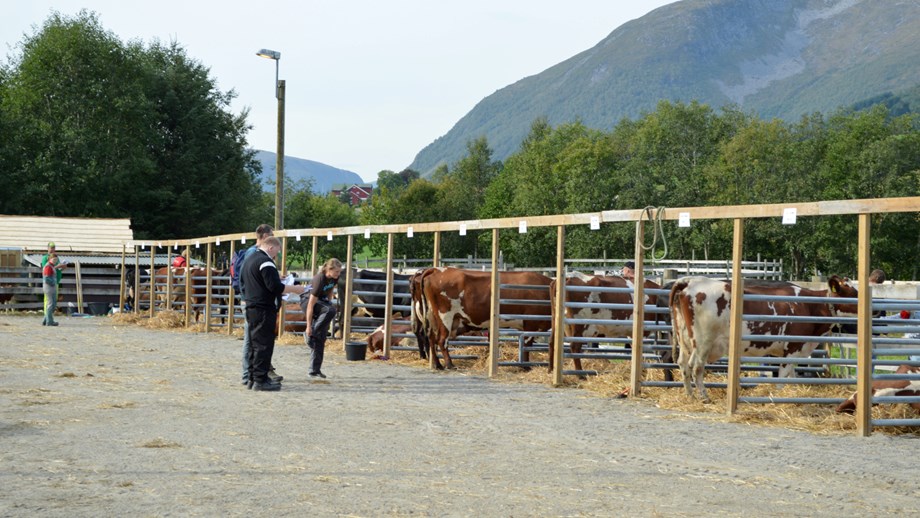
column 409, row 232
column 143, row 246
column 243, row 240
column 462, row 229
column 367, row 233
column 329, row 236
column 683, row 220
column 159, row 245
column 789, row 216
column 595, row 223
column 175, row 246
column 218, row 241
column 197, row 244
column 297, row 235
column 522, row 227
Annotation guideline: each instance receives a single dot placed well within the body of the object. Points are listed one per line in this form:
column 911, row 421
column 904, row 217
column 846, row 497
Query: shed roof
column 33, row 233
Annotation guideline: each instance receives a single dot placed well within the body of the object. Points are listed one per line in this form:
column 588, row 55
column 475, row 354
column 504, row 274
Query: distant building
column 357, row 194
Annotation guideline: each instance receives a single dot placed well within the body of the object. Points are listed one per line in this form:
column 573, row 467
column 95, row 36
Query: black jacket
column 263, row 284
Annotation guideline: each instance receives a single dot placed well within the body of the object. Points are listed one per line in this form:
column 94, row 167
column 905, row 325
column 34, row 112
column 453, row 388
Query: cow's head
column 840, row 287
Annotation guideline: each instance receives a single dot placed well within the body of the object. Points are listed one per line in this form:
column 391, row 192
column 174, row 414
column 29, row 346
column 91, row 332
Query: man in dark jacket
column 263, row 298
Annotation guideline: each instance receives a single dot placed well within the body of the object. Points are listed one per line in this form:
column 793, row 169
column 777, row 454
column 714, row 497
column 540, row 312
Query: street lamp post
column 279, row 158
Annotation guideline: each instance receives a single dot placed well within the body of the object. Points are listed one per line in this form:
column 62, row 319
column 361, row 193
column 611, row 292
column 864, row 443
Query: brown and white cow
column 450, row 301
column 596, row 330
column 883, row 388
column 700, row 313
column 375, row 339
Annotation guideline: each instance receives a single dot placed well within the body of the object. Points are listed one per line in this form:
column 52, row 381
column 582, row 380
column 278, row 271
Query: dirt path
column 97, row 419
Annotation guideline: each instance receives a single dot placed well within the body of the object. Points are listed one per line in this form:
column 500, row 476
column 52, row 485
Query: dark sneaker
column 267, row 386
column 264, row 383
column 272, row 375
column 53, row 324
column 317, row 375
column 245, row 382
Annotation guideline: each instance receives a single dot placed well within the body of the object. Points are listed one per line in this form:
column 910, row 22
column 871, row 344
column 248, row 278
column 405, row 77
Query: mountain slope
column 776, row 58
column 323, row 176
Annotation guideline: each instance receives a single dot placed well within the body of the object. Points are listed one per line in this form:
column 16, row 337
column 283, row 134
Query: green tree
column 101, row 129
column 387, row 179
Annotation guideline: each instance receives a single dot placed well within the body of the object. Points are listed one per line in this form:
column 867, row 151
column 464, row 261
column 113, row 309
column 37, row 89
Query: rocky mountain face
column 775, row 58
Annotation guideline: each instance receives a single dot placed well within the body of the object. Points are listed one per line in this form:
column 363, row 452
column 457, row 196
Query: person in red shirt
column 180, row 261
column 50, row 287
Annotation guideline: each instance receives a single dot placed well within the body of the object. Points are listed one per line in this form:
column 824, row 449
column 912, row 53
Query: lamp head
column 270, row 54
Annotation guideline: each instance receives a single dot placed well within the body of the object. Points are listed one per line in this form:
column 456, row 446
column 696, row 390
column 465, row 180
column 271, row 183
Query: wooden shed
column 91, row 246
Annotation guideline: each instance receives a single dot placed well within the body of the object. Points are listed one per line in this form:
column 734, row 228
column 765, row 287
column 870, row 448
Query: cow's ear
column 834, row 283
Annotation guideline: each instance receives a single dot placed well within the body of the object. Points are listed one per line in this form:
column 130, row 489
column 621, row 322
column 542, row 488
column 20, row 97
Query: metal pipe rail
column 607, row 339
column 895, row 422
column 378, row 294
column 791, row 400
column 771, row 360
column 898, row 377
column 799, row 338
column 800, row 381
column 522, row 287
column 598, row 289
column 803, row 299
column 893, row 363
column 607, row 322
column 790, row 318
column 896, row 399
column 611, row 305
column 383, row 306
column 396, row 282
column 537, row 318
column 524, row 301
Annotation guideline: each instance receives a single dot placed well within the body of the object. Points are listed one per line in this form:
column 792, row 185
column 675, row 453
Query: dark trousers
column 323, row 315
column 261, row 322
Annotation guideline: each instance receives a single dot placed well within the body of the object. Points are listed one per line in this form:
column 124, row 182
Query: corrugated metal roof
column 33, row 233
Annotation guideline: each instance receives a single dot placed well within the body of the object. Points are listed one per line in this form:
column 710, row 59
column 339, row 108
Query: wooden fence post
column 635, row 375
column 864, row 334
column 735, row 322
column 494, row 304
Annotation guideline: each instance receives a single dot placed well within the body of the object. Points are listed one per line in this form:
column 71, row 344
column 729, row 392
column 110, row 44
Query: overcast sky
column 369, row 82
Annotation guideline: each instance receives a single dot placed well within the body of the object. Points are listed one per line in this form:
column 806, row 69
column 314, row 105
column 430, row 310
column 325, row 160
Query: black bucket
column 98, row 308
column 355, row 351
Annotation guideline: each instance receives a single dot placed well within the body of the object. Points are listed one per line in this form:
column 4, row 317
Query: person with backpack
column 263, row 232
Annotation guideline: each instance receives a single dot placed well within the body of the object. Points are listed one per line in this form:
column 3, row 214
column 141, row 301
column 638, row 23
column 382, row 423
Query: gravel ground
column 105, row 420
